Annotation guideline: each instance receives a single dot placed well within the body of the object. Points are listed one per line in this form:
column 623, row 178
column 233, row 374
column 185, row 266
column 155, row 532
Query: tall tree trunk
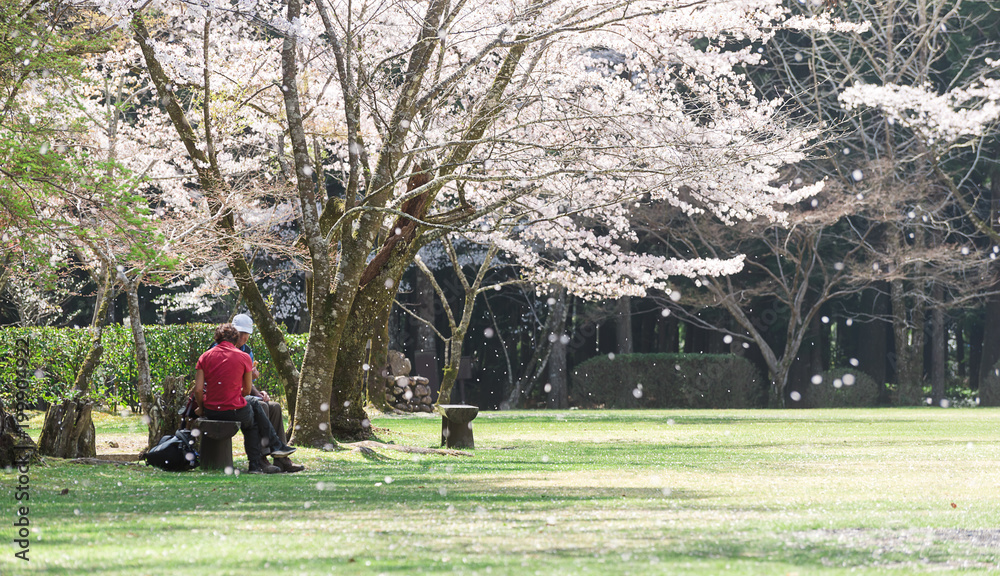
column 960, row 355
column 908, row 333
column 989, row 352
column 367, row 321
column 68, row 430
column 976, row 333
column 378, row 356
column 989, row 393
column 939, row 345
column 558, row 396
column 816, row 343
column 150, row 408
column 666, row 334
column 623, row 324
column 871, row 339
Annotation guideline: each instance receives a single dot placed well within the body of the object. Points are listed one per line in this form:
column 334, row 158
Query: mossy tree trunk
column 366, row 331
column 147, row 403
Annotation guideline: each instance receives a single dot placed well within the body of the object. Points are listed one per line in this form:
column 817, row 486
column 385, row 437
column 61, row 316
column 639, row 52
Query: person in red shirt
column 222, row 377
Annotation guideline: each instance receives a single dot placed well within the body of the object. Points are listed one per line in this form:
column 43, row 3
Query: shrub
column 668, row 381
column 838, row 388
column 55, row 356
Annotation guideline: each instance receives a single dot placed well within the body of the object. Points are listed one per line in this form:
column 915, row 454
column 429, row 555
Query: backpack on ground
column 174, row 453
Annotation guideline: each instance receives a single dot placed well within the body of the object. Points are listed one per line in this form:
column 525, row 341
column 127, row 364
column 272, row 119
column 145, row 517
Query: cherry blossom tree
column 517, row 124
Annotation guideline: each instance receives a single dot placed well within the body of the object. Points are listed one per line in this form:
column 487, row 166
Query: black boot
column 262, row 467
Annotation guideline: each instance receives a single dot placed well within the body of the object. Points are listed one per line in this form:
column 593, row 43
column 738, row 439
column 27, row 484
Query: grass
column 576, row 492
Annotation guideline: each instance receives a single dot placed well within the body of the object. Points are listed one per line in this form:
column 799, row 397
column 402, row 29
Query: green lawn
column 575, row 492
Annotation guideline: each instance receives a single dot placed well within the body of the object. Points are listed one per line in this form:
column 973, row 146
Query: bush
column 55, row 356
column 839, row 388
column 668, row 381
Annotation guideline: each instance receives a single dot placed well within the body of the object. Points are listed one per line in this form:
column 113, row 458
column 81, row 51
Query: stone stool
column 216, row 442
column 456, row 425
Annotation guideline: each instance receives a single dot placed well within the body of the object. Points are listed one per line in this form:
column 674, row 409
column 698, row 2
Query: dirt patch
column 123, row 443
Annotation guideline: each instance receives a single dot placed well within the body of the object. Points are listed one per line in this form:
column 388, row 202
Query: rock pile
column 402, row 391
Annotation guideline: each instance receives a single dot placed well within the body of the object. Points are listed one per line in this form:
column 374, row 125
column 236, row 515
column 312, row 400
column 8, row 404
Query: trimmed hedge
column 835, row 392
column 668, row 381
column 55, row 355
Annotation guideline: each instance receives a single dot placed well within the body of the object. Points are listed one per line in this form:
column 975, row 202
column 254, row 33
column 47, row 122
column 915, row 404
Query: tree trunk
column 16, row 446
column 960, row 356
column 976, row 333
column 816, row 345
column 147, row 403
column 167, row 403
column 623, row 324
column 909, row 336
column 779, row 382
column 939, row 346
column 378, row 356
column 987, row 382
column 870, row 339
column 368, row 321
column 558, row 396
column 990, row 352
column 667, row 340
column 68, row 431
column 451, row 368
column 540, row 356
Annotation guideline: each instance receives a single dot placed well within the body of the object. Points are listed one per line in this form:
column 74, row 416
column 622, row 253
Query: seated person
column 222, row 378
column 261, row 403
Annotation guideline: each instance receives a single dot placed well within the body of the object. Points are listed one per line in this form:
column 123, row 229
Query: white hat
column 243, row 323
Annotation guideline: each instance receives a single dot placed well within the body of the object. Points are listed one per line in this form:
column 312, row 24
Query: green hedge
column 55, row 355
column 668, row 381
column 838, row 388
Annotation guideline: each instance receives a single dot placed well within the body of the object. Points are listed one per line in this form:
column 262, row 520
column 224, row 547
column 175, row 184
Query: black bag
column 187, row 412
column 173, row 453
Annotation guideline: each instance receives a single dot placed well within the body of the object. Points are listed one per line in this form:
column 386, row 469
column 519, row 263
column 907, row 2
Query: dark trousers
column 267, row 428
column 251, row 436
column 277, row 420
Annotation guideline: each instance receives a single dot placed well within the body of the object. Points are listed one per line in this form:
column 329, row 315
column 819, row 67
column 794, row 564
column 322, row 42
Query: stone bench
column 216, row 442
column 456, row 425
